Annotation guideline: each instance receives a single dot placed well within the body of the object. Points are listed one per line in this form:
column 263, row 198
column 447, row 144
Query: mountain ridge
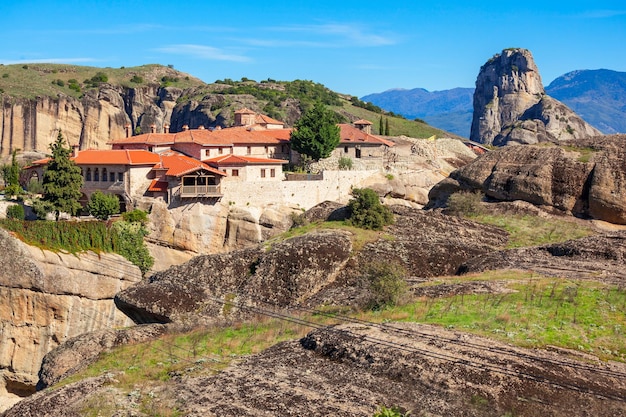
column 606, row 114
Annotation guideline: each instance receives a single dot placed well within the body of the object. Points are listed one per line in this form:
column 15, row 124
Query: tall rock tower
column 511, row 106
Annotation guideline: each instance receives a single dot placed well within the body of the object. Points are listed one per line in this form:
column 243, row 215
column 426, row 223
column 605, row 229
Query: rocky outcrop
column 314, row 269
column 353, row 369
column 586, row 178
column 81, row 351
column 511, row 106
column 600, row 258
column 47, row 298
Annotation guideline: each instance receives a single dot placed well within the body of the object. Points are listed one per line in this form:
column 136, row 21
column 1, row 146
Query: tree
column 11, row 175
column 102, row 206
column 381, row 130
column 366, row 211
column 316, row 134
column 386, row 126
column 62, row 180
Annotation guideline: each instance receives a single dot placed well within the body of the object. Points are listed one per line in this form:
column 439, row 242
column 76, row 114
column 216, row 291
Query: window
column 120, row 176
column 283, row 148
column 357, row 152
column 262, row 172
column 249, row 150
column 220, row 150
column 88, row 175
column 112, row 176
column 207, row 152
column 96, row 175
column 234, row 173
column 273, row 172
column 267, row 149
column 345, row 149
column 105, row 178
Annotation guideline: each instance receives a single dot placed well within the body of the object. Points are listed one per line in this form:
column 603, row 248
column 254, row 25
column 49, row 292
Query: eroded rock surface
column 352, row 369
column 586, row 178
column 49, row 297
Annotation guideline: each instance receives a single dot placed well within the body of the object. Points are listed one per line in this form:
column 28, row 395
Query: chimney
column 185, row 127
column 152, row 128
column 74, row 151
column 127, row 127
column 166, row 128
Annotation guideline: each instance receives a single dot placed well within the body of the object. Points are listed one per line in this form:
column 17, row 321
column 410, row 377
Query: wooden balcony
column 200, row 191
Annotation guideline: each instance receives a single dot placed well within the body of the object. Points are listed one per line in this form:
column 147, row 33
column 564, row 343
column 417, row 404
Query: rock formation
column 586, row 178
column 47, row 298
column 353, row 369
column 314, row 269
column 511, row 106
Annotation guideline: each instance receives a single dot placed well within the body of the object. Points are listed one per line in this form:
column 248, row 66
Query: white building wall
column 335, row 186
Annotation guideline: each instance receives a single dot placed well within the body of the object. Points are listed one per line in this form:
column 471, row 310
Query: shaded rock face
column 352, row 369
column 510, row 105
column 317, row 268
column 587, row 178
column 48, row 297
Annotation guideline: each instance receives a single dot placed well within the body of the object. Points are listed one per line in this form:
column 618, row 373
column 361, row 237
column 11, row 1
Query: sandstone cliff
column 47, row 298
column 511, row 106
column 586, row 178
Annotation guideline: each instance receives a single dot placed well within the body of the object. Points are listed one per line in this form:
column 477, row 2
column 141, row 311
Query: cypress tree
column 62, row 180
column 386, row 127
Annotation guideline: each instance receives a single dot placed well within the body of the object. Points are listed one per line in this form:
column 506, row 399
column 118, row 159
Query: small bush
column 16, row 211
column 345, row 163
column 366, row 211
column 135, row 216
column 5, row 75
column 102, row 206
column 136, row 79
column 391, row 412
column 298, row 220
column 465, row 203
column 42, row 208
column 34, row 186
column 12, row 190
column 386, row 283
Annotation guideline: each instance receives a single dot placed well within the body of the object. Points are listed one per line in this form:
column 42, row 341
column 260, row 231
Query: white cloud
column 203, row 52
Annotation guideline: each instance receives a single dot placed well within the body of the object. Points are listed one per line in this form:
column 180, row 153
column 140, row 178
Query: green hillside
column 270, row 96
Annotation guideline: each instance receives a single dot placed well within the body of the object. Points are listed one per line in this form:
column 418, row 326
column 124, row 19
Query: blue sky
column 352, row 47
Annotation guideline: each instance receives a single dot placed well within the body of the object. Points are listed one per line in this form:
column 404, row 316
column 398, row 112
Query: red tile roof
column 263, row 119
column 219, row 137
column 158, row 186
column 111, row 157
column 350, row 134
column 225, row 160
column 362, row 122
column 178, row 164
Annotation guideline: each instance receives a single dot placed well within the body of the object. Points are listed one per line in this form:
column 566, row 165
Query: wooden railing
column 190, row 191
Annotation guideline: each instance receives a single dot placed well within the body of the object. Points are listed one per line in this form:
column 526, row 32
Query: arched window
column 104, row 175
column 96, row 175
column 88, row 176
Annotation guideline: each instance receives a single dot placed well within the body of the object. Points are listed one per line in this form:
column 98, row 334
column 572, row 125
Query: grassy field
column 526, row 230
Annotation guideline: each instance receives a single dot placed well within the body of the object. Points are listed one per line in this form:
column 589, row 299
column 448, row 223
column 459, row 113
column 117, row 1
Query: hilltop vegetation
column 277, row 99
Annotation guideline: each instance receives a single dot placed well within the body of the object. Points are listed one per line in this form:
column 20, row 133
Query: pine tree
column 62, row 180
column 316, row 134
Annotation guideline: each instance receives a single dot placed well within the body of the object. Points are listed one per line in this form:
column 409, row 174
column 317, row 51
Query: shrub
column 345, row 163
column 34, row 186
column 465, row 203
column 298, row 220
column 42, row 208
column 135, row 216
column 391, row 412
column 136, row 79
column 12, row 190
column 366, row 211
column 386, row 283
column 130, row 244
column 5, row 75
column 16, row 211
column 102, row 206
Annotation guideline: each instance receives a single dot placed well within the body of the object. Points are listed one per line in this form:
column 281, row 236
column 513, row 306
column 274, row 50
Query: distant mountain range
column 598, row 96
